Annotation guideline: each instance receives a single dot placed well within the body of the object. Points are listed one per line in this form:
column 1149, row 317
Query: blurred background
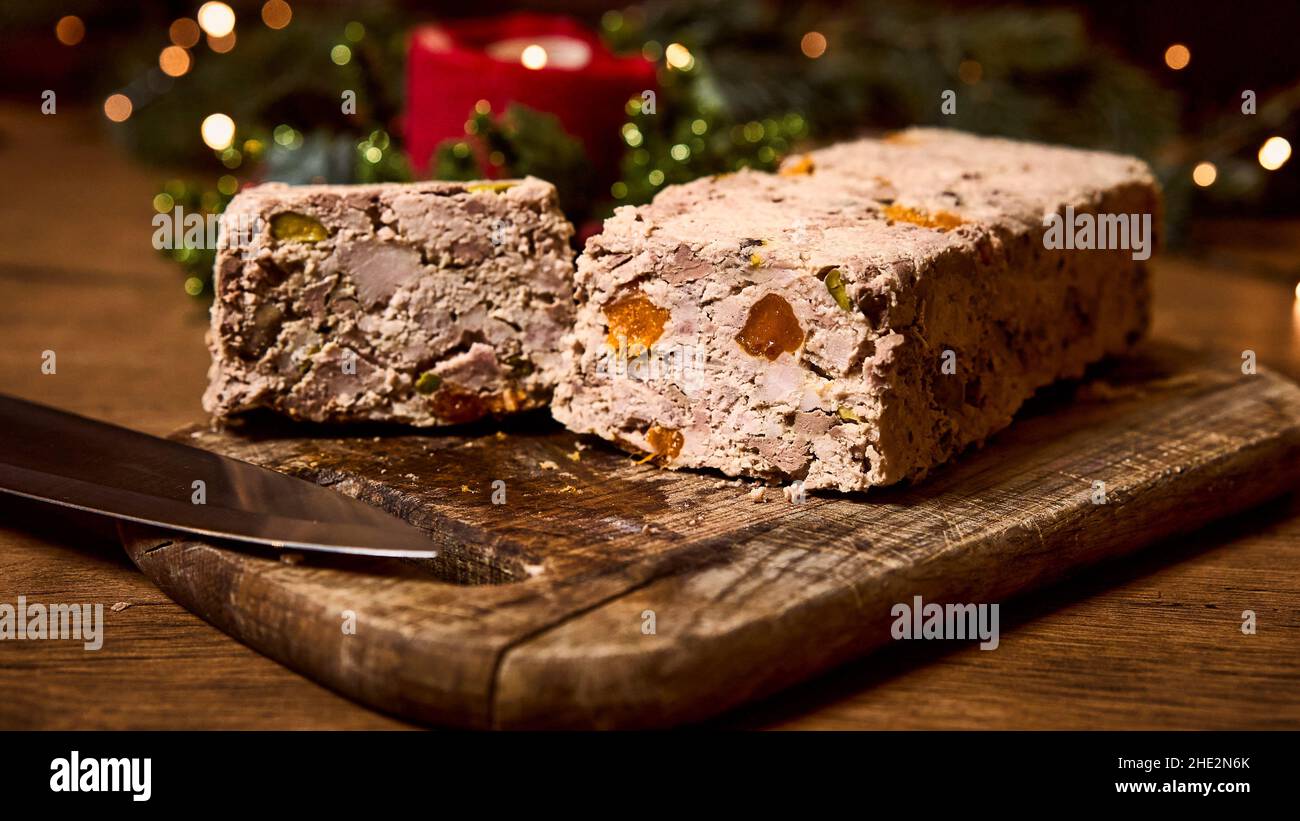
column 214, row 96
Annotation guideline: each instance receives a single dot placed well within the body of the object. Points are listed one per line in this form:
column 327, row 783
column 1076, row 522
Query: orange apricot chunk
column 941, row 220
column 771, row 329
column 637, row 320
column 800, row 167
column 665, row 443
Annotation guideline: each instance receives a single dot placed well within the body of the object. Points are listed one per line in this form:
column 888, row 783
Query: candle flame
column 534, row 57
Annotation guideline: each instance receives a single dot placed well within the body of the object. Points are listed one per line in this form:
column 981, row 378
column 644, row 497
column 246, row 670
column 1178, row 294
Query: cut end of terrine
column 428, row 304
column 857, row 318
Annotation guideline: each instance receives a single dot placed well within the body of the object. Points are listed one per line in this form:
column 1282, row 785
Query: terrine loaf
column 429, row 304
column 857, row 318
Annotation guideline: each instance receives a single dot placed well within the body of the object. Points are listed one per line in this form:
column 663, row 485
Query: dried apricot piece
column 771, row 329
column 800, row 167
column 665, row 443
column 637, row 320
column 457, row 406
column 901, row 138
column 941, row 220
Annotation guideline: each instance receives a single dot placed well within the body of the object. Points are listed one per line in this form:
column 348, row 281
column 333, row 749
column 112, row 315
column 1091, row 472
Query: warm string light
column 1178, row 56
column 276, row 14
column 184, row 33
column 1274, row 153
column 813, row 45
column 216, row 19
column 1204, row 174
column 70, row 30
column 679, row 57
column 117, row 107
column 218, row 131
column 174, row 61
column 222, row 45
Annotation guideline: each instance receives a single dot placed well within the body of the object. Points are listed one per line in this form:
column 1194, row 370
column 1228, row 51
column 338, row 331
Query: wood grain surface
column 1151, row 641
column 533, row 615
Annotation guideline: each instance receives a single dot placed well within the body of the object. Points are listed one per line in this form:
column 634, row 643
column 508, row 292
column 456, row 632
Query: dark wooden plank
column 1152, row 641
column 160, row 667
column 749, row 596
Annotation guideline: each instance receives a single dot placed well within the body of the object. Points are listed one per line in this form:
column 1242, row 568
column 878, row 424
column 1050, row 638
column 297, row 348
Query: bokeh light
column 218, row 131
column 1204, row 174
column 276, row 14
column 1178, row 56
column 679, row 57
column 222, row 45
column 534, row 57
column 1274, row 153
column 70, row 30
column 813, row 45
column 174, row 61
column 117, row 107
column 217, row 19
column 184, row 33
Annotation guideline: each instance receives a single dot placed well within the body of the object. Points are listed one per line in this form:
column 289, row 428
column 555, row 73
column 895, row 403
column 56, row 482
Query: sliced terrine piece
column 857, row 318
column 429, row 304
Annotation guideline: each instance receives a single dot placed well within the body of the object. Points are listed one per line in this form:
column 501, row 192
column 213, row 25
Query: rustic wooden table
column 1149, row 642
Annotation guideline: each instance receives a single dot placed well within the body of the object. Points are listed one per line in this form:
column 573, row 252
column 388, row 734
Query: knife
column 58, row 457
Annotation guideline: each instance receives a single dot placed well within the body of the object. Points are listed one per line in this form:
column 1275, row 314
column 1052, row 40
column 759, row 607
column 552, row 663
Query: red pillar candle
column 548, row 63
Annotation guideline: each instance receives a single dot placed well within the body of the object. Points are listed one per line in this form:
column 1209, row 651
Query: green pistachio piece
column 846, row 413
column 297, row 227
column 835, row 284
column 494, row 187
column 428, row 382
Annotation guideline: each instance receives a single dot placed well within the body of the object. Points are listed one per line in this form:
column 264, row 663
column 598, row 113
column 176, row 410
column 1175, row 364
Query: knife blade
column 59, row 457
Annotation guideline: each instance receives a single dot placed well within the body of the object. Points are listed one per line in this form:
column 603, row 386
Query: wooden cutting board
column 538, row 611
